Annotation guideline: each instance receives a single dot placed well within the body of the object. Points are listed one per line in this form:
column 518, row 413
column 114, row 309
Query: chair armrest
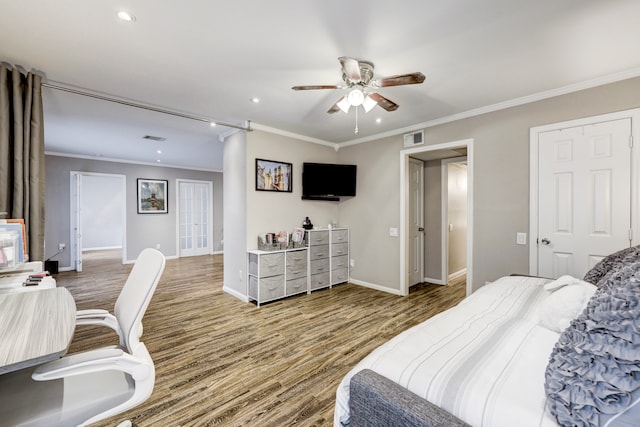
column 97, row 317
column 103, row 359
column 378, row 401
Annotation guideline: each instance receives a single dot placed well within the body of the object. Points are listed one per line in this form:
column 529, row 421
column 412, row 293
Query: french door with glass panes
column 194, row 218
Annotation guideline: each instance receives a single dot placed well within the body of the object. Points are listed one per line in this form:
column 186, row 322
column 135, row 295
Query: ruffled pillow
column 593, row 375
column 612, row 263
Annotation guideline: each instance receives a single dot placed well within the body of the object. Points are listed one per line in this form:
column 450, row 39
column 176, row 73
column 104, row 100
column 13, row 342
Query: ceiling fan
column 358, row 76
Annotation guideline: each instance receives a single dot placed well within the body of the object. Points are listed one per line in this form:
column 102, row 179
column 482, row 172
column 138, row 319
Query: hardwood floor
column 222, row 362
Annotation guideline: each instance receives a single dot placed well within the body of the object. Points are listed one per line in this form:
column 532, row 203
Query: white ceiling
column 208, row 58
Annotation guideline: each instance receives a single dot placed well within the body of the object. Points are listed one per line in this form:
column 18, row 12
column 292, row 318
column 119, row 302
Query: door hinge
column 630, row 141
column 631, row 234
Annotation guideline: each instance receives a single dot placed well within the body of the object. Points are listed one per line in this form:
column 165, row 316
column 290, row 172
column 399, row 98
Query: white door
column 195, row 224
column 416, row 221
column 76, row 221
column 584, row 194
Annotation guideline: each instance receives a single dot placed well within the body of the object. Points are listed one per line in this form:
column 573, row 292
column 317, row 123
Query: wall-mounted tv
column 328, row 181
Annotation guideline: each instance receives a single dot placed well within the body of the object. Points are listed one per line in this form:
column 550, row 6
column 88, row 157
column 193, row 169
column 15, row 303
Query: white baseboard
column 235, row 293
column 376, row 287
column 434, row 281
column 101, row 248
column 458, row 274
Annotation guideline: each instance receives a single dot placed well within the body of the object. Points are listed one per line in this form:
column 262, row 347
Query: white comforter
column 483, row 360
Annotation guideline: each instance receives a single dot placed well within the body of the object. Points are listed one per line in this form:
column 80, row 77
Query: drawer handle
column 320, row 254
column 296, row 286
column 319, row 268
column 340, row 265
column 297, row 259
column 339, row 252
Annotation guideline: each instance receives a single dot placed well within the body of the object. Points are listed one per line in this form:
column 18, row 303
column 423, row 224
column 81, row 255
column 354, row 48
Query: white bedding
column 483, row 360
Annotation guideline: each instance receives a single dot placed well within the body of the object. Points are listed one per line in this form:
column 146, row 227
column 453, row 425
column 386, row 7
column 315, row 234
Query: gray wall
column 142, row 230
column 500, row 175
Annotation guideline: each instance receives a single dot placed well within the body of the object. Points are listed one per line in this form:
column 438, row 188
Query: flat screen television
column 328, row 181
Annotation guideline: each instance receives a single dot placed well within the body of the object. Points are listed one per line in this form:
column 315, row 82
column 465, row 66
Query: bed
column 486, row 362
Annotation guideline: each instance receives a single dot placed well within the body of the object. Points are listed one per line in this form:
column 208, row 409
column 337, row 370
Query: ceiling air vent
column 154, row 138
column 414, row 138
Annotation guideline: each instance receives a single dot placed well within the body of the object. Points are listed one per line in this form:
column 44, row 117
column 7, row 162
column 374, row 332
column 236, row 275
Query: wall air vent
column 154, row 138
column 414, row 138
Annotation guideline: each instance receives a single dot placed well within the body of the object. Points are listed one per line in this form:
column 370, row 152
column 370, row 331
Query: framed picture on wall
column 272, row 175
column 152, row 196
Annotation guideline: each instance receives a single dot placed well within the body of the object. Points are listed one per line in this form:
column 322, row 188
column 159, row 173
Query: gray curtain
column 22, row 180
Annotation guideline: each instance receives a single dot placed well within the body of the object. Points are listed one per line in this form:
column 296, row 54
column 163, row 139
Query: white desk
column 35, row 327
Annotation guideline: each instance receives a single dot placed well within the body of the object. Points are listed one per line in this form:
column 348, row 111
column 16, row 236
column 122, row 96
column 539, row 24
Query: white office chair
column 86, row 387
column 123, row 316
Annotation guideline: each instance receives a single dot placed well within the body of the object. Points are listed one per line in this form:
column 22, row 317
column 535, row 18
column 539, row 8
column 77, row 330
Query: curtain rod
column 143, row 106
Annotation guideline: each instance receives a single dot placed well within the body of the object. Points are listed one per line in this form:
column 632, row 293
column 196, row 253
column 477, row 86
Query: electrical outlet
column 61, row 246
column 158, row 246
column 352, row 263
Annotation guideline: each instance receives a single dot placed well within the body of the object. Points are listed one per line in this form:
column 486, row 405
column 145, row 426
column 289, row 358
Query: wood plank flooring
column 222, row 362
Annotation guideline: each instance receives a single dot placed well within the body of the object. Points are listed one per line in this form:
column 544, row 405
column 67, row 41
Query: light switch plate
column 393, row 232
column 521, row 238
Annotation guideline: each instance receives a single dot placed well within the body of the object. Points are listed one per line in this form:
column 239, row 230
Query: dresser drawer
column 269, row 264
column 339, row 262
column 339, row 236
column 340, row 249
column 269, row 288
column 318, row 281
column 319, row 266
column 297, row 258
column 296, row 286
column 339, row 276
column 318, row 237
column 296, row 271
column 318, row 252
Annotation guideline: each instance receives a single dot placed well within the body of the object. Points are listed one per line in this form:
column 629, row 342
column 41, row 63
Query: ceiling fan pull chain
column 356, row 130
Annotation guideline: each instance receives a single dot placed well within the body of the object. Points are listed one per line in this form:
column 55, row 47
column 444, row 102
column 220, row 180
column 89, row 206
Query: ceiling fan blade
column 314, row 87
column 384, row 102
column 351, row 69
column 403, row 79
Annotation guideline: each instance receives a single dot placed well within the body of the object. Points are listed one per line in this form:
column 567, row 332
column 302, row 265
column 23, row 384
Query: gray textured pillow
column 593, row 375
column 610, row 264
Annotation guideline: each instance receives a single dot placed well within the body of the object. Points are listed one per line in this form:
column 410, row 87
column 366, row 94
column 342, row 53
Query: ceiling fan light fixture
column 368, row 103
column 355, row 97
column 344, row 104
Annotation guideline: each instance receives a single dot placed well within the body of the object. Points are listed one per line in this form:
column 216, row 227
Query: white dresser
column 276, row 274
column 281, row 273
column 328, row 257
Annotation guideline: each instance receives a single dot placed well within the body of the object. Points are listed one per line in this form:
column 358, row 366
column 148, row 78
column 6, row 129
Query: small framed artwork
column 272, row 175
column 152, row 196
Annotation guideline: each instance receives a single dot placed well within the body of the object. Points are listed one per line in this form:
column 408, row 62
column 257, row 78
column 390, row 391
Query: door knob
column 420, row 228
column 545, row 241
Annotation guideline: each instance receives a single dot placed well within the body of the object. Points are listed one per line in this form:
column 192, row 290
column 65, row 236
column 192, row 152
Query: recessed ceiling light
column 158, row 160
column 378, row 120
column 125, row 16
column 159, row 151
column 255, row 100
column 212, row 124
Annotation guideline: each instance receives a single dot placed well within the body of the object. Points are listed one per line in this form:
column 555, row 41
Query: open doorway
column 98, row 226
column 439, row 251
column 454, row 213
